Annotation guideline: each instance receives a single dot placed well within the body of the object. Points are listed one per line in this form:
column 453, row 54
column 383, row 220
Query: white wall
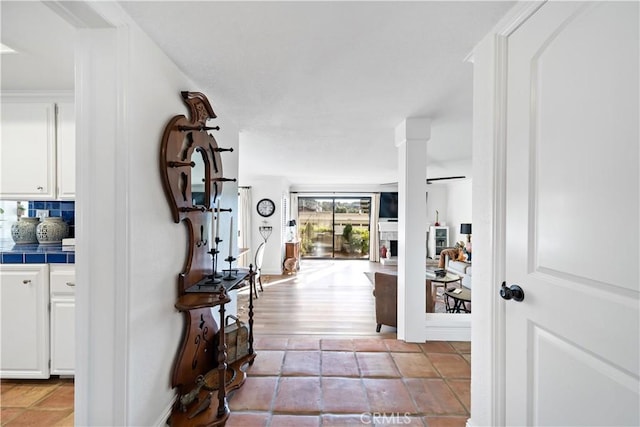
column 129, row 251
column 437, row 200
column 158, row 250
column 274, row 188
column 459, row 196
column 453, row 201
column 158, row 245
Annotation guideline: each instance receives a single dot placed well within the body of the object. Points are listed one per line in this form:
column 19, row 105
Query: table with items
column 438, row 279
column 456, row 300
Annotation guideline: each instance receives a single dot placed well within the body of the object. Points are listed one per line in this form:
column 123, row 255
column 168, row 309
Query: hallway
column 326, row 297
column 320, row 362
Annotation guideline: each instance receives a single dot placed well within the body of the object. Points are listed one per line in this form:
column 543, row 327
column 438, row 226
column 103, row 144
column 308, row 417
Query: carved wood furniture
column 191, row 167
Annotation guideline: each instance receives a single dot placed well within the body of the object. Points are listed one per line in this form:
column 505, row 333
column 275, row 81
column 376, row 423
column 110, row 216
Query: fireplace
column 388, row 237
column 393, row 247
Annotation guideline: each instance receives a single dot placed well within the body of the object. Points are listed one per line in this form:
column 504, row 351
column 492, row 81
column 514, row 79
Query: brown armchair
column 386, row 293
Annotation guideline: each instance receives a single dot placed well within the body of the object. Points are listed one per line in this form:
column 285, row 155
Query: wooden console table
column 291, row 263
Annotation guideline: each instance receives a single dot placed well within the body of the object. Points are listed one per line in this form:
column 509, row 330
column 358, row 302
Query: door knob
column 513, row 292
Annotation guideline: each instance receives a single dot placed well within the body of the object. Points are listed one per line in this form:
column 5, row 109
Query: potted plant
column 346, row 238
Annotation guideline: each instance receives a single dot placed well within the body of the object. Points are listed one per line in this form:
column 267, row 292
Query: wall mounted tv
column 389, row 205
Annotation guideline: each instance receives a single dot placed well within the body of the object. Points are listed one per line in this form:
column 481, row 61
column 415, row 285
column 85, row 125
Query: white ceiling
column 316, row 88
column 44, row 48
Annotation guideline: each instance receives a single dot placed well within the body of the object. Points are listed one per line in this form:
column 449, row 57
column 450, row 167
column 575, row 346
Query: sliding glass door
column 334, row 227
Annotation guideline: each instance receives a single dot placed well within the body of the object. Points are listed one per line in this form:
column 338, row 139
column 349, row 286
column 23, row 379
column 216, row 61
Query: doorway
column 334, row 227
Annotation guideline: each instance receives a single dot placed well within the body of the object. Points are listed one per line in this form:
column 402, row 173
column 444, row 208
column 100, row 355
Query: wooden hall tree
column 191, row 166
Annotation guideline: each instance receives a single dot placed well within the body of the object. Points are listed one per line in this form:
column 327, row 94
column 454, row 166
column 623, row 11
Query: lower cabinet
column 37, row 320
column 24, row 291
column 62, row 280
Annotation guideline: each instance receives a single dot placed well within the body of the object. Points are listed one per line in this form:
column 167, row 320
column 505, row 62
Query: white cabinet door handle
column 26, row 281
column 40, row 188
column 72, row 284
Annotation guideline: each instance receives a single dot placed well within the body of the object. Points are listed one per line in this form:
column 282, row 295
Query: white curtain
column 293, row 212
column 374, row 237
column 244, row 225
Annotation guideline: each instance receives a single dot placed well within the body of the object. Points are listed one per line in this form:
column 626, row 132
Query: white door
column 572, row 234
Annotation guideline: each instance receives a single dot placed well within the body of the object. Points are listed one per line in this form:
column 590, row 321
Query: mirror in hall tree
column 192, row 178
column 190, row 159
column 198, row 179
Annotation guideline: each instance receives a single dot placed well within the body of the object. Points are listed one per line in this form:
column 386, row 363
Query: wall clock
column 266, row 207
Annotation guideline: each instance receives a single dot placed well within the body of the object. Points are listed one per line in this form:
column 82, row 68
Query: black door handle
column 513, row 292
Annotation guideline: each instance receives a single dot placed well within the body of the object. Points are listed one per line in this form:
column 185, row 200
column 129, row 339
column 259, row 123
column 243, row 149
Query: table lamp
column 291, row 234
column 466, row 229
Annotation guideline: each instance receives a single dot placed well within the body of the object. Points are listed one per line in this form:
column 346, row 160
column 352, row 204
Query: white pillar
column 411, row 138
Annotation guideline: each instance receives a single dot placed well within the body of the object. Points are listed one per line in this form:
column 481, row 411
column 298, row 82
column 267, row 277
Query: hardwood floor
column 325, row 298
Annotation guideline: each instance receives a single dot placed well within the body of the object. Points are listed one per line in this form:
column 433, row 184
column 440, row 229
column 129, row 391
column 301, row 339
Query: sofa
column 462, row 269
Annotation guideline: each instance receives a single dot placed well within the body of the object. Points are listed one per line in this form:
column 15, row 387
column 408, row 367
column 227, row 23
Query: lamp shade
column 465, row 228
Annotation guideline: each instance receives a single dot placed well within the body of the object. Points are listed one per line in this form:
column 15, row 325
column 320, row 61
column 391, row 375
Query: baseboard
column 447, row 327
column 163, row 419
column 389, row 261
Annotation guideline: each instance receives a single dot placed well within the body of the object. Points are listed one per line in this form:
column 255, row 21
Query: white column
column 411, row 138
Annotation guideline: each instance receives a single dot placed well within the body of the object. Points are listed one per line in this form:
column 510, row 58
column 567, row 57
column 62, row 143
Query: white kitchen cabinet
column 27, row 150
column 37, row 150
column 62, row 281
column 24, row 320
column 66, row 150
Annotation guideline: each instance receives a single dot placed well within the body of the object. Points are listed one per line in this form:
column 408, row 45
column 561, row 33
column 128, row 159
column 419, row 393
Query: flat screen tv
column 389, row 205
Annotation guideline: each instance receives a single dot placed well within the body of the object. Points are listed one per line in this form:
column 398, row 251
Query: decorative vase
column 383, row 252
column 51, row 231
column 24, row 231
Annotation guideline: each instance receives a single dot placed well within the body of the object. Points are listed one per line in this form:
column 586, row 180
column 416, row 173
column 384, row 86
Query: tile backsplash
column 65, row 209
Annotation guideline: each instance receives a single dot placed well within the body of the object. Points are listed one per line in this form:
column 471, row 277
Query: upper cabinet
column 37, row 150
column 27, row 151
column 66, row 147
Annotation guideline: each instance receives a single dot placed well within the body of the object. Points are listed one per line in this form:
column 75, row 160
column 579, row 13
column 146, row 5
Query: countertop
column 36, row 254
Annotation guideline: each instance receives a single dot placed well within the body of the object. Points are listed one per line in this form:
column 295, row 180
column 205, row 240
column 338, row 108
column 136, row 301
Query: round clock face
column 266, row 207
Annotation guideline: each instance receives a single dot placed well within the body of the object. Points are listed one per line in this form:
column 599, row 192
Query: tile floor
column 300, row 381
